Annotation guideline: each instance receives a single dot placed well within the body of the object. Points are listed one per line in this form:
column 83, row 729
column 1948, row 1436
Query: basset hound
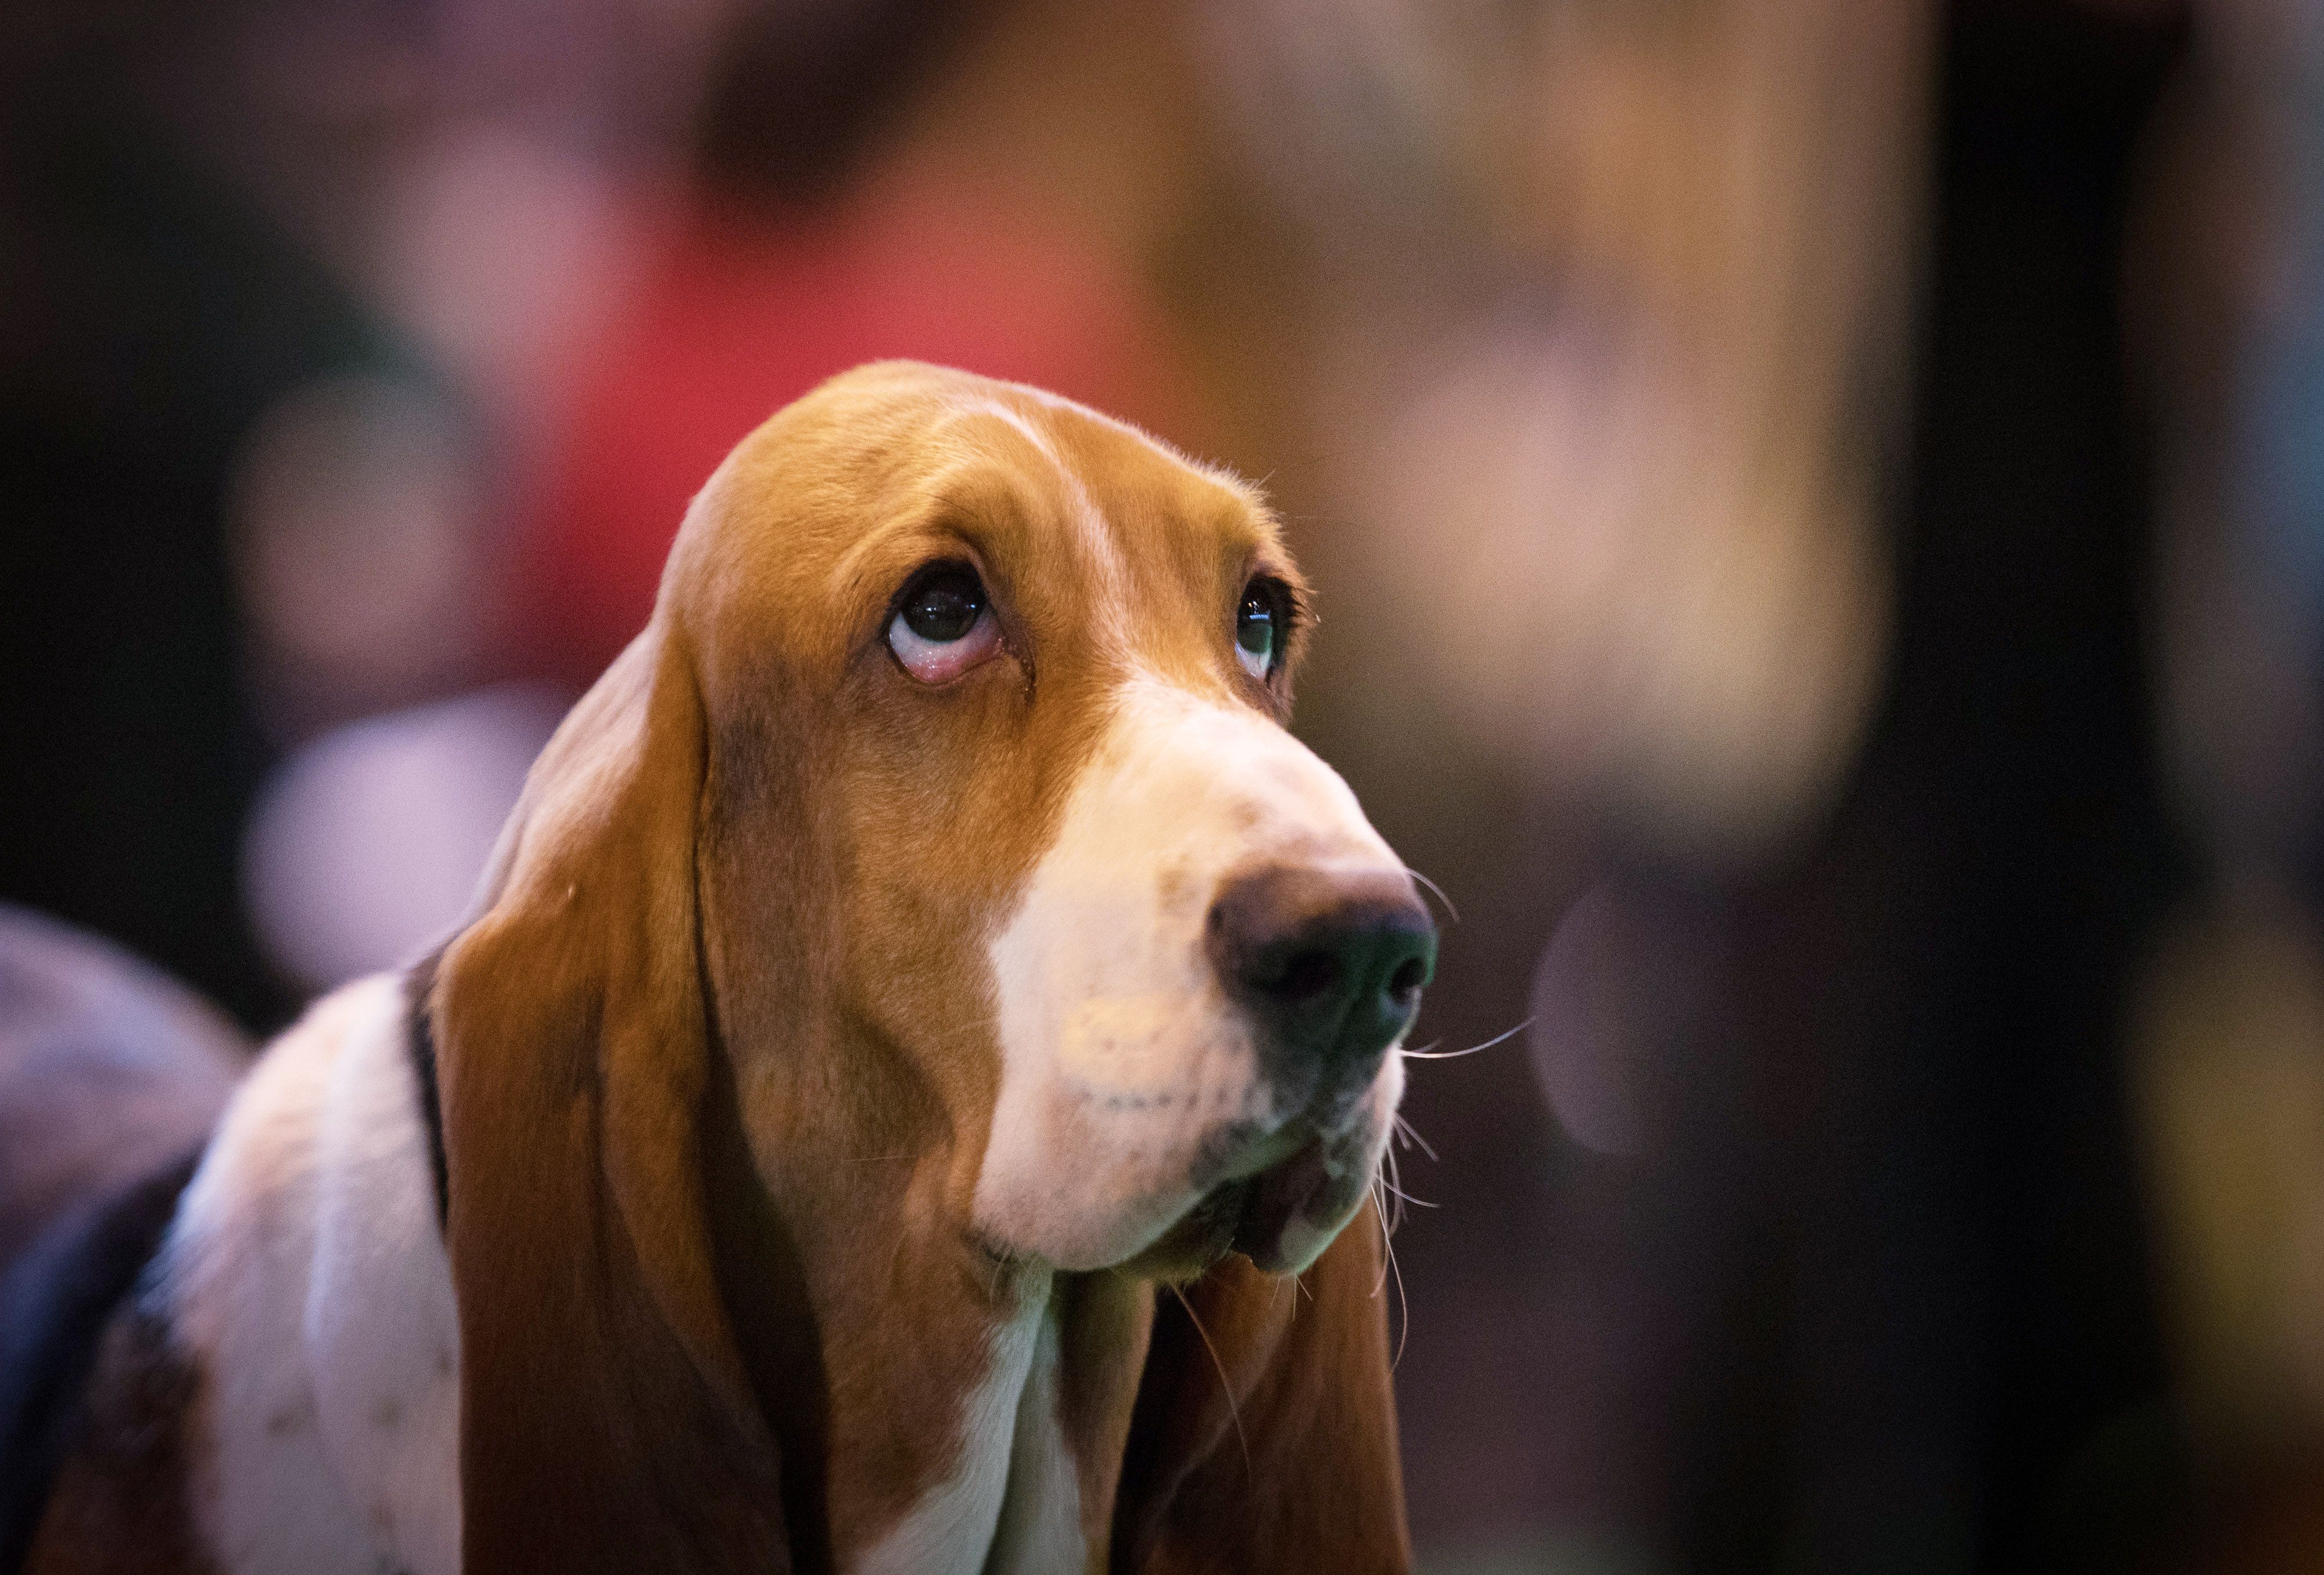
column 904, row 1102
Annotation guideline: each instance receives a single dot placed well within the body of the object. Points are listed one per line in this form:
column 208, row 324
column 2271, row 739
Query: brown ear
column 1296, row 1470
column 605, row 1421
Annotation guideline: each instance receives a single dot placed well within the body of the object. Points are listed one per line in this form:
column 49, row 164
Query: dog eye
column 943, row 625
column 1257, row 628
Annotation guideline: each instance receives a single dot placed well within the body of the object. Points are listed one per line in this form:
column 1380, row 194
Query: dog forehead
column 890, row 442
column 815, row 516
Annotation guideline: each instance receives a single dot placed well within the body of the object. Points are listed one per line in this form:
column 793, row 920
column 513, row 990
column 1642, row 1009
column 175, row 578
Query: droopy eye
column 1258, row 628
column 943, row 625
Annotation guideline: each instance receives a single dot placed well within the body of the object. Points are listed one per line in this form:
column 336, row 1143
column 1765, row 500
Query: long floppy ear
column 1264, row 1436
column 605, row 1420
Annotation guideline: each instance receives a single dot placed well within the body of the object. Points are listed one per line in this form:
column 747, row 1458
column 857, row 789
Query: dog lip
column 1275, row 1199
column 1237, row 1151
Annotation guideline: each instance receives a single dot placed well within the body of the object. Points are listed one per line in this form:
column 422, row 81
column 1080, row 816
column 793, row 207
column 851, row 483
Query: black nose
column 1331, row 962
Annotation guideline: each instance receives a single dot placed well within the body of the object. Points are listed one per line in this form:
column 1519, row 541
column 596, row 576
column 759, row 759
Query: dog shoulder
column 284, row 1383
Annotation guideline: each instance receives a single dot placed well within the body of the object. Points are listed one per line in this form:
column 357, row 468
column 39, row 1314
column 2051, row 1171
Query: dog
column 905, row 1100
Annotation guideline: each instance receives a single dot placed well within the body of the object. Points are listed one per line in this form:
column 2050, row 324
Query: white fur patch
column 1013, row 1507
column 382, row 1328
column 1040, row 1528
column 1108, row 573
column 1123, row 1059
column 307, row 1277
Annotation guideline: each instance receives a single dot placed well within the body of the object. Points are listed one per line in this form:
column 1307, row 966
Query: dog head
column 942, row 830
column 1031, row 672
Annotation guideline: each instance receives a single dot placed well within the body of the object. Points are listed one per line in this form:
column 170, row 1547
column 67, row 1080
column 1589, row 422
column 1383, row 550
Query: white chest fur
column 307, row 1278
column 1013, row 1506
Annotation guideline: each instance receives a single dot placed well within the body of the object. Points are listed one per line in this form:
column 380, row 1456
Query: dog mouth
column 1278, row 1202
column 1273, row 1215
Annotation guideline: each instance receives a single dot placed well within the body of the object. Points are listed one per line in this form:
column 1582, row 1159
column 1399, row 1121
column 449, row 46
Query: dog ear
column 605, row 1419
column 1264, row 1434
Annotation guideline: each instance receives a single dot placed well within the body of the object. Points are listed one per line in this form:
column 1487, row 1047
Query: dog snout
column 1329, row 962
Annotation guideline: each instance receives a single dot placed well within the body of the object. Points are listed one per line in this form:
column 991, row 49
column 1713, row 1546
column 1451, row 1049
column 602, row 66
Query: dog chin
column 1280, row 1197
column 1281, row 1218
column 1295, row 1209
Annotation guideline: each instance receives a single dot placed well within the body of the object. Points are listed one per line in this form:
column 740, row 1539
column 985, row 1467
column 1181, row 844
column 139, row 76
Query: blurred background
column 1819, row 512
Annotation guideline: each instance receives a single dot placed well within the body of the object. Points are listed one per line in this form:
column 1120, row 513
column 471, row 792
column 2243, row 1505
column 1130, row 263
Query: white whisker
column 1402, row 1306
column 1411, row 1134
column 1403, row 1197
column 1381, row 1283
column 1234, row 1411
column 1439, row 890
column 1471, row 1050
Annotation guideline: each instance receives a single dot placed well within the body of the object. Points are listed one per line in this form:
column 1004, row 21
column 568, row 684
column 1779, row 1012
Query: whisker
column 1402, row 1306
column 1403, row 1310
column 1471, row 1050
column 1403, row 1197
column 1234, row 1411
column 1439, row 890
column 1382, row 1281
column 1411, row 1134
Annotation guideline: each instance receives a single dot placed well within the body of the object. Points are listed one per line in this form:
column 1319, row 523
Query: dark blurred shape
column 352, row 526
column 2230, row 1093
column 1893, row 1231
column 2227, row 287
column 111, row 1078
column 108, row 1068
column 148, row 319
column 803, row 88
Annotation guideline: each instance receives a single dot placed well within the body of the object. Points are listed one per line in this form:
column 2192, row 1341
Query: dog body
column 924, row 944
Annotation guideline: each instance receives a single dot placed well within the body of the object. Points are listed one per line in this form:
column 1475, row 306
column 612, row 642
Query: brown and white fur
column 856, row 1155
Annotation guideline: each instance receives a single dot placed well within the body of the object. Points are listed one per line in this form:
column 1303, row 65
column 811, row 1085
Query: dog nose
column 1330, row 962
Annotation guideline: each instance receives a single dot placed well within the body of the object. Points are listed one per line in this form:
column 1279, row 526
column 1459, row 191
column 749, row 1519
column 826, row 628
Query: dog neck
column 937, row 1406
column 1021, row 1474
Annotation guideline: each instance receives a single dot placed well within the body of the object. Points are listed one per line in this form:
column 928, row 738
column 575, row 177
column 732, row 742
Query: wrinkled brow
column 983, row 514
